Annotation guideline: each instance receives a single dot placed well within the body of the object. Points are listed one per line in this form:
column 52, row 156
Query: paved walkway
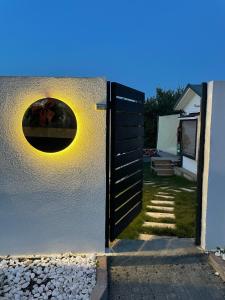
column 164, row 268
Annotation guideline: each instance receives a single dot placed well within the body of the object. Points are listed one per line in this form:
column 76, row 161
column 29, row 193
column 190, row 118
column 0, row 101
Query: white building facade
column 189, row 130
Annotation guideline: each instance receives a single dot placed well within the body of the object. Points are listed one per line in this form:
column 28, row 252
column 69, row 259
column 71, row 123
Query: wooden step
column 160, row 167
column 161, row 162
column 164, row 172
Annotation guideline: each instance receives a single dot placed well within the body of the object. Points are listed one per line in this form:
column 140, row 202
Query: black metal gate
column 125, row 136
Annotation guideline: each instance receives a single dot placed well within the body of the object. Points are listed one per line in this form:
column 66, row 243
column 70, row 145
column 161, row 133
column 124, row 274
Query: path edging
column 100, row 291
column 218, row 265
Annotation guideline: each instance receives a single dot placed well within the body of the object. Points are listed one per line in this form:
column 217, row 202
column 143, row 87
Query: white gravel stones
column 61, row 277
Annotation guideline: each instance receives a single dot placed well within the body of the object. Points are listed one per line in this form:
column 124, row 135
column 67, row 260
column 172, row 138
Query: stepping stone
column 164, row 187
column 163, row 208
column 162, row 202
column 187, row 190
column 160, row 215
column 164, row 196
column 148, row 183
column 146, row 237
column 162, row 193
column 176, row 191
column 159, row 225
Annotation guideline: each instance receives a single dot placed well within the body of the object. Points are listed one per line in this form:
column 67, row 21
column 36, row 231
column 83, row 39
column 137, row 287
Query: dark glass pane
column 49, row 125
column 189, row 132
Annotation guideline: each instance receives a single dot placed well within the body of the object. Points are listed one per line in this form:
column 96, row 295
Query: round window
column 49, row 125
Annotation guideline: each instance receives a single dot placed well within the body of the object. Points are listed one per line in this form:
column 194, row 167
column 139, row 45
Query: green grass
column 185, row 208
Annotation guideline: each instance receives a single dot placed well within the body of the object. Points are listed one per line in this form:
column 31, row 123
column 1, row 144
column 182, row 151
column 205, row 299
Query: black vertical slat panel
column 112, row 174
column 126, row 167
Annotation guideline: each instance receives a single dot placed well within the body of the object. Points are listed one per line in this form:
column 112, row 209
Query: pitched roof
column 196, row 88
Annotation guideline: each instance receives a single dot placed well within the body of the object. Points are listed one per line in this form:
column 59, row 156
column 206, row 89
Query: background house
column 189, row 129
column 178, row 134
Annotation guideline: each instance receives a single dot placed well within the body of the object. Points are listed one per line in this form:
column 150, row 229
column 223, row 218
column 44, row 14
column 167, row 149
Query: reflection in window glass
column 189, row 131
column 49, row 125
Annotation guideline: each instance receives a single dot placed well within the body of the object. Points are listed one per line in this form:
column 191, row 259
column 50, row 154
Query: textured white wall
column 193, row 105
column 52, row 202
column 213, row 212
column 189, row 164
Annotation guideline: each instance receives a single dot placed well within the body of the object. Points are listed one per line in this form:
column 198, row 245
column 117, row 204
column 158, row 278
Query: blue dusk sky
column 141, row 43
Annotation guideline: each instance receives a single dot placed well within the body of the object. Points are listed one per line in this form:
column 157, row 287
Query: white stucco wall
column 52, row 202
column 190, row 102
column 189, row 164
column 213, row 211
column 193, row 105
column 167, row 133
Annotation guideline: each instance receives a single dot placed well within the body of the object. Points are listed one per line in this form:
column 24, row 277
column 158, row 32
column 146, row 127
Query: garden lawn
column 184, row 209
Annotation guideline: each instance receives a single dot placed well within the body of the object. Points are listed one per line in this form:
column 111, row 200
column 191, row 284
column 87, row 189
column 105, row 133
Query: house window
column 188, row 138
column 49, row 125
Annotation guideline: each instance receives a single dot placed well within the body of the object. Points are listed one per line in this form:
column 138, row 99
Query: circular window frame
column 49, row 125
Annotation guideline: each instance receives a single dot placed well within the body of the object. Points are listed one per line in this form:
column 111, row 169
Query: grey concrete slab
column 157, row 243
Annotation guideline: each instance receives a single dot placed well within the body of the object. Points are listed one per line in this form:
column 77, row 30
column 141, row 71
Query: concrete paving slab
column 174, row 191
column 155, row 243
column 187, row 190
column 159, row 225
column 164, row 196
column 164, row 202
column 146, row 237
column 163, row 193
column 163, row 208
column 160, row 215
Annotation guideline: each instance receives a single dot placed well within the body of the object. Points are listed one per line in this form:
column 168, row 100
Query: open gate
column 125, row 135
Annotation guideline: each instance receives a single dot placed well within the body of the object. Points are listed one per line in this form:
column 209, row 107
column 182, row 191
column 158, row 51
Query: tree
column 159, row 105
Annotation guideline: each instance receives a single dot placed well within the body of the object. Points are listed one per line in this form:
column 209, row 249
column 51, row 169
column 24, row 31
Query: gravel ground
column 60, row 277
column 188, row 277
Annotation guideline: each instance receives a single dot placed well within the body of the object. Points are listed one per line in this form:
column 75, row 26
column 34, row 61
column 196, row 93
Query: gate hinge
column 101, row 106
